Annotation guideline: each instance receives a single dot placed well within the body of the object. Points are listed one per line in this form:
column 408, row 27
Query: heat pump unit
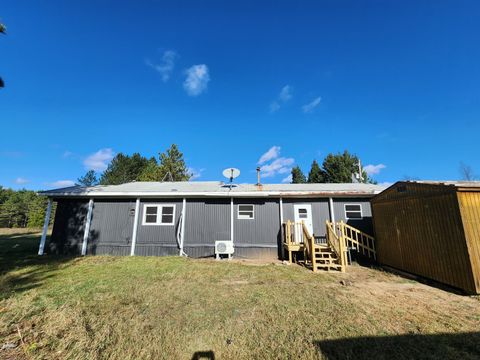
column 223, row 247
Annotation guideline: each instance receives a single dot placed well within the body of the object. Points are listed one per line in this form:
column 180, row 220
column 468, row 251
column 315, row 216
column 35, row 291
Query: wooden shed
column 431, row 229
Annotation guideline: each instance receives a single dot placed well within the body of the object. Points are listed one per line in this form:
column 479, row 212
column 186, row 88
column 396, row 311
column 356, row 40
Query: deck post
column 87, row 227
column 45, row 227
column 182, row 229
column 135, row 227
column 282, row 233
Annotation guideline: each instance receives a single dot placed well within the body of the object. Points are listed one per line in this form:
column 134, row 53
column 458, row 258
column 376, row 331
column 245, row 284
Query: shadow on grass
column 18, row 252
column 204, row 355
column 435, row 346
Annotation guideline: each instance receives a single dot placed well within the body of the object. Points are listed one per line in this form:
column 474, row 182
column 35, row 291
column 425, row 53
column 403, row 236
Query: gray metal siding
column 364, row 224
column 68, row 228
column 320, row 212
column 207, row 221
column 264, row 229
column 158, row 234
column 111, row 228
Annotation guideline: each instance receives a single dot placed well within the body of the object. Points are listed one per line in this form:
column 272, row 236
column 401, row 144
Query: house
column 175, row 218
column 432, row 229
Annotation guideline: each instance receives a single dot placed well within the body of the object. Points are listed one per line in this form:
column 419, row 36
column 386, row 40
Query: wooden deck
column 302, row 247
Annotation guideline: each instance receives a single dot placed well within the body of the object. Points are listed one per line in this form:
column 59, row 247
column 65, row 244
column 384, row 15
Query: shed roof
column 216, row 189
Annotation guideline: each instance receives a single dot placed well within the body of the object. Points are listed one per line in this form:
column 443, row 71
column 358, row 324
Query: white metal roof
column 216, row 189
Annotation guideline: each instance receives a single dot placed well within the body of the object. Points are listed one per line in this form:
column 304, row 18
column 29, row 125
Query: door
column 303, row 212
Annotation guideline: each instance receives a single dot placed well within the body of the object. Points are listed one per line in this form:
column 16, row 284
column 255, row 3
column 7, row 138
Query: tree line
column 170, row 166
column 22, row 208
column 336, row 168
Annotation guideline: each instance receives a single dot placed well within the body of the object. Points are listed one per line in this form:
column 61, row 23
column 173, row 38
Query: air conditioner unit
column 224, row 247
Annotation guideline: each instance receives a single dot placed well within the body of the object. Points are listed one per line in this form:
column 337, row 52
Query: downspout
column 87, row 227
column 182, row 231
column 45, row 227
column 281, row 229
column 135, row 227
column 231, row 219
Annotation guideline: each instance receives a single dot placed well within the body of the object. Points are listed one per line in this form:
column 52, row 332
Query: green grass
column 171, row 308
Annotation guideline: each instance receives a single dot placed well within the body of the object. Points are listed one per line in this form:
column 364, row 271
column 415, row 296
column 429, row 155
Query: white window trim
column 245, row 218
column 159, row 214
column 345, row 211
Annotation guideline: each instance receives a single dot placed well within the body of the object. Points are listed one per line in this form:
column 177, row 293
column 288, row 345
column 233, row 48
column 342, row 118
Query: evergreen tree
column 89, row 179
column 172, row 166
column 151, row 172
column 298, row 176
column 316, row 174
column 339, row 168
column 123, row 169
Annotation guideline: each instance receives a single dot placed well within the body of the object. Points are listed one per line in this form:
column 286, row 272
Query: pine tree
column 297, row 176
column 89, row 179
column 151, row 172
column 339, row 168
column 172, row 166
column 316, row 174
column 123, row 169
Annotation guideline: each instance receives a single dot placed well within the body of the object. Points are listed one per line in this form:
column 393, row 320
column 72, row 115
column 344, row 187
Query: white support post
column 281, row 228
column 182, row 234
column 332, row 214
column 135, row 227
column 87, row 227
column 231, row 219
column 45, row 227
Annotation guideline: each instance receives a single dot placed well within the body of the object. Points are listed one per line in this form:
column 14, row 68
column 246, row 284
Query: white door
column 303, row 212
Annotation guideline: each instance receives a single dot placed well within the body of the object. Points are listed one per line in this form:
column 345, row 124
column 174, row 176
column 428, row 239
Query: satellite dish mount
column 231, row 173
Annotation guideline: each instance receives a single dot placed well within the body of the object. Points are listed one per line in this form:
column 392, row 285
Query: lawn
column 177, row 308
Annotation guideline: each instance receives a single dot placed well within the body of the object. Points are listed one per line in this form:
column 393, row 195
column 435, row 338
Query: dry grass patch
column 171, row 307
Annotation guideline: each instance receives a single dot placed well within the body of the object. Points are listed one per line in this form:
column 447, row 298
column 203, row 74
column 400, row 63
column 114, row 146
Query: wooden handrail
column 337, row 244
column 309, row 249
column 358, row 240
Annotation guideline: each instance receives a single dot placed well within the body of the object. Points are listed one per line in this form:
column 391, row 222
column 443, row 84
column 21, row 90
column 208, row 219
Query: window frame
column 159, row 214
column 245, row 218
column 345, row 211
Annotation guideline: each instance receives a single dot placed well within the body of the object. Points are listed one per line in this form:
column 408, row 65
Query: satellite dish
column 231, row 173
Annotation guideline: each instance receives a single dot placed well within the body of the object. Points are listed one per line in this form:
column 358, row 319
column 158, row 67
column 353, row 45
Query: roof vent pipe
column 258, row 176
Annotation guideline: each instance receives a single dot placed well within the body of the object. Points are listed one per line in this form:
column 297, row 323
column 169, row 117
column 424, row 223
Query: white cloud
column 21, row 181
column 374, row 169
column 283, row 97
column 61, row 183
column 308, row 108
column 99, row 161
column 287, row 180
column 286, row 93
column 165, row 67
column 194, row 173
column 67, row 154
column 197, row 80
column 272, row 153
column 280, row 165
column 274, row 106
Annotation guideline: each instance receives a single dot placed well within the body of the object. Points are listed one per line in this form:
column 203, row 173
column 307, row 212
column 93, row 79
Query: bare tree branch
column 466, row 172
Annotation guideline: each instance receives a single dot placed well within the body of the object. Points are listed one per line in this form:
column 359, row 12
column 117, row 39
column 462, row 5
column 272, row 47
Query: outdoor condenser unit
column 223, row 247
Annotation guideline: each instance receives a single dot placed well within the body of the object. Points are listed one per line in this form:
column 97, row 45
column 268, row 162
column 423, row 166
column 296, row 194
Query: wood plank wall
column 418, row 229
column 470, row 209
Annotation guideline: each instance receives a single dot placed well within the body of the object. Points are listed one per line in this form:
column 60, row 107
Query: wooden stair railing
column 355, row 239
column 336, row 244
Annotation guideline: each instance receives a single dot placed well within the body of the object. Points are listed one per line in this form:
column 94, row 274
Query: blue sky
column 395, row 82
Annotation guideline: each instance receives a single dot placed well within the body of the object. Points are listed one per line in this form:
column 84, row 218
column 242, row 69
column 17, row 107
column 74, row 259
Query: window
column 353, row 211
column 246, row 211
column 302, row 213
column 158, row 214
